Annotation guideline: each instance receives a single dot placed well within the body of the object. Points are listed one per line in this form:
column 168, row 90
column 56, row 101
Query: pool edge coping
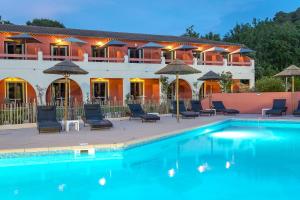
column 134, row 142
column 111, row 146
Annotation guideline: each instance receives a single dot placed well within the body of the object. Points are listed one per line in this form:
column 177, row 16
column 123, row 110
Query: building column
column 252, row 79
column 85, row 88
column 126, row 88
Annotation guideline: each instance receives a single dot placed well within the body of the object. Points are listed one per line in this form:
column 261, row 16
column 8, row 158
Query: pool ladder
column 84, row 149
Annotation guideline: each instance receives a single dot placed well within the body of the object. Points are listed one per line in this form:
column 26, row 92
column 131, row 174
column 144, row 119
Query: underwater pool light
column 227, row 165
column 102, row 181
column 171, row 173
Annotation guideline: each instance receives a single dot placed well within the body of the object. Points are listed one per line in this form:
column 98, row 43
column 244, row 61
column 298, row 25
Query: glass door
column 15, row 92
column 137, row 90
column 58, row 92
column 59, row 50
column 100, row 91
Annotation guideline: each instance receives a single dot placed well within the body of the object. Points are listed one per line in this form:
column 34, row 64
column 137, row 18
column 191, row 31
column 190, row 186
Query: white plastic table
column 263, row 111
column 75, row 122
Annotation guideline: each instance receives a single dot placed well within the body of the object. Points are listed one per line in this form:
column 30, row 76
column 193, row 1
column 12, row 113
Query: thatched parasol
column 291, row 71
column 65, row 68
column 177, row 67
column 210, row 76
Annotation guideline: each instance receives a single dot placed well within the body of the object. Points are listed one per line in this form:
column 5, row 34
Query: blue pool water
column 229, row 160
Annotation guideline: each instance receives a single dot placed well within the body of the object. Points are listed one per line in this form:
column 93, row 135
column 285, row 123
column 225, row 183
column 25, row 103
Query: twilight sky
column 146, row 16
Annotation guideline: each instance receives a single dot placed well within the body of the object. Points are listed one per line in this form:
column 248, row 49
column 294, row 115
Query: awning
column 152, row 45
column 115, row 43
column 74, row 40
column 24, row 37
column 217, row 49
column 185, row 47
column 242, row 51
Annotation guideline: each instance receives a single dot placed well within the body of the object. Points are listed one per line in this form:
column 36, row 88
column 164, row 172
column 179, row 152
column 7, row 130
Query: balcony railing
column 239, row 63
column 51, row 57
column 144, row 60
column 221, row 63
column 85, row 58
column 103, row 59
column 19, row 56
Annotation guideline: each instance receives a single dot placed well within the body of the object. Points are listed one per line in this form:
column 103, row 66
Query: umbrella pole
column 66, row 101
column 210, row 95
column 177, row 98
column 293, row 90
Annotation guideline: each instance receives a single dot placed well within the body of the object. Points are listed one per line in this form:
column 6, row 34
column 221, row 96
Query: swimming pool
column 229, row 160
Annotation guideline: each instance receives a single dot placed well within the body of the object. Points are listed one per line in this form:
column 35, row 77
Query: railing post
column 225, row 62
column 85, row 57
column 126, row 60
column 163, row 60
column 252, row 63
column 195, row 60
column 40, row 56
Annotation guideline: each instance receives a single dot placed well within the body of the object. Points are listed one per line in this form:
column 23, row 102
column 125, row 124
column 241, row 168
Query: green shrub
column 269, row 84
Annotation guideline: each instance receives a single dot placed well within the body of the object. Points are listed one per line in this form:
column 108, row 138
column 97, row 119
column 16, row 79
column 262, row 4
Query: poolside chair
column 136, row 111
column 297, row 111
column 94, row 117
column 196, row 106
column 279, row 107
column 183, row 112
column 46, row 119
column 220, row 108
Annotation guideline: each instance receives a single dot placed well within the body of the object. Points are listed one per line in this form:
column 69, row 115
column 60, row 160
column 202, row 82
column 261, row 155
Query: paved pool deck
column 124, row 133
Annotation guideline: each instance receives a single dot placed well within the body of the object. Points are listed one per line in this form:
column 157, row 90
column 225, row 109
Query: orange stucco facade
column 250, row 103
column 29, row 93
column 116, row 51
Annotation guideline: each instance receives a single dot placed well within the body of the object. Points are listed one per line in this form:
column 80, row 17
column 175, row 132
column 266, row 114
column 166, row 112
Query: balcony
column 86, row 58
column 19, row 56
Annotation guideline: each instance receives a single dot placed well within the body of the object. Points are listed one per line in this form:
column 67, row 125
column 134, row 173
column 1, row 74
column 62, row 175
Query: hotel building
column 120, row 65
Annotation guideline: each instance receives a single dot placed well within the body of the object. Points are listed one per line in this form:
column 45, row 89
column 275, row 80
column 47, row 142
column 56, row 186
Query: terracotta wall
column 185, row 91
column 31, row 95
column 116, row 89
column 2, row 91
column 152, row 89
column 76, row 92
column 184, row 55
column 250, row 103
column 211, row 56
column 46, row 40
column 152, row 53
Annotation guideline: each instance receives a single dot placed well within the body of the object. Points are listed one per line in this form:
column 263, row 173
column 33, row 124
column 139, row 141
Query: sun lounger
column 46, row 119
column 137, row 111
column 297, row 111
column 220, row 108
column 94, row 117
column 196, row 106
column 279, row 107
column 183, row 112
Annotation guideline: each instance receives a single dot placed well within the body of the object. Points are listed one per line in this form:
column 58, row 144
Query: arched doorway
column 16, row 90
column 55, row 93
column 208, row 86
column 185, row 91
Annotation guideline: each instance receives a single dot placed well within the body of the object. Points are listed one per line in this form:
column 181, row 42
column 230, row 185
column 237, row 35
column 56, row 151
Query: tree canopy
column 190, row 32
column 3, row 21
column 45, row 22
column 276, row 41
